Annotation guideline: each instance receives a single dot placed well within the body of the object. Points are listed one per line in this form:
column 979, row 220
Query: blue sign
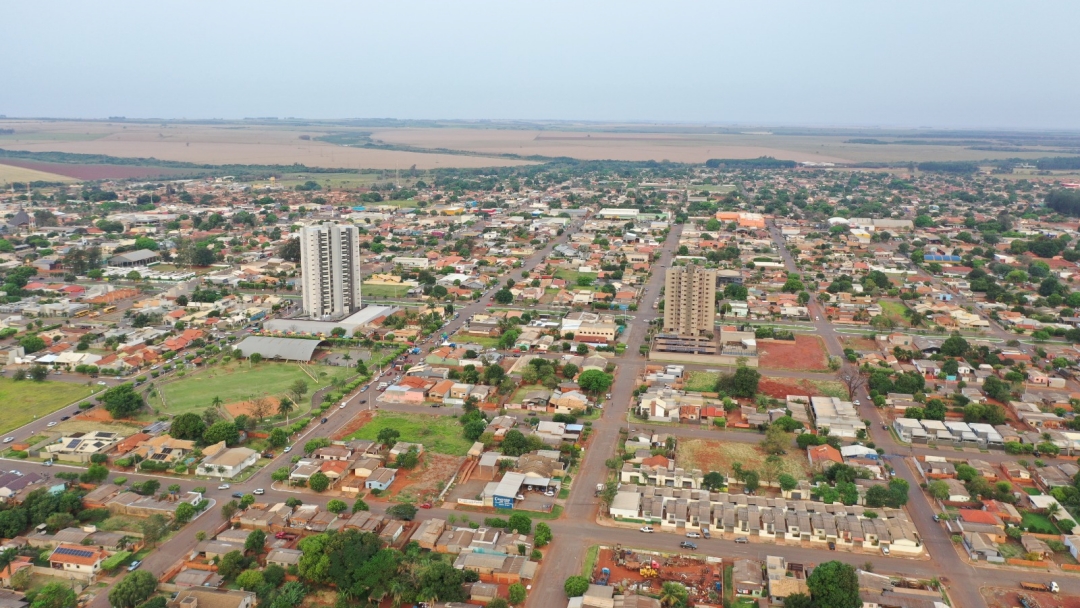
column 502, row 502
column 623, row 307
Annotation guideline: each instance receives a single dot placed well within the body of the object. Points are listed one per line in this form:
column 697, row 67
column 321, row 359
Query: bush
column 115, row 560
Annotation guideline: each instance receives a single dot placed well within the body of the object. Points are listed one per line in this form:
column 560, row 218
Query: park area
column 439, row 434
column 806, row 353
column 23, row 402
column 710, row 455
column 240, row 381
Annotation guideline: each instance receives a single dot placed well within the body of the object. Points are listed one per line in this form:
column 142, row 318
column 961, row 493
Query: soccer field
column 239, row 381
column 20, row 401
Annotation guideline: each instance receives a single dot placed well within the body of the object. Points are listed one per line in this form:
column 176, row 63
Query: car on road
column 134, row 565
column 817, row 318
column 426, row 505
column 884, row 550
column 224, row 486
column 363, row 389
column 693, row 535
column 259, row 492
column 342, row 406
column 646, row 529
column 937, row 518
column 856, row 402
column 832, row 546
column 102, row 383
column 47, row 463
column 687, row 545
column 8, row 439
column 288, row 448
column 324, row 420
column 237, row 494
column 52, row 424
column 742, row 540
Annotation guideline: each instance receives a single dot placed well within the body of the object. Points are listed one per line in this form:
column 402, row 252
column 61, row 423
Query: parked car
column 288, row 448
column 102, row 383
column 647, row 529
column 687, row 545
column 259, row 492
column 134, row 565
column 742, row 540
column 693, row 535
column 342, row 406
column 832, row 546
column 51, row 424
column 549, row 493
column 237, row 494
column 224, row 486
column 426, row 505
column 884, row 550
column 324, row 420
column 520, row 497
column 63, row 418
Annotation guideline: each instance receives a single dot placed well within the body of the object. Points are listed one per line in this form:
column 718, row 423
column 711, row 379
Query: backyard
column 441, row 434
column 240, row 381
column 23, row 402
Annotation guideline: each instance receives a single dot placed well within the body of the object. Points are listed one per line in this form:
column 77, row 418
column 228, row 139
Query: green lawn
column 440, row 434
column 1032, row 491
column 239, row 381
column 485, row 341
column 523, row 390
column 895, row 310
column 384, row 291
column 571, row 277
column 1038, row 523
column 704, row 382
column 20, row 401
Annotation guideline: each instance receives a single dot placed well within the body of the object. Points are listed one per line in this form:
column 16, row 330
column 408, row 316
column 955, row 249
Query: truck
column 1052, row 587
column 599, row 489
column 605, row 576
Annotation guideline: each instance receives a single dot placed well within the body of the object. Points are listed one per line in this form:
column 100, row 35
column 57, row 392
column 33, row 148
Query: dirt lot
column 1007, row 597
column 782, row 388
column 425, row 481
column 807, row 353
column 354, row 425
column 244, row 407
column 693, row 573
column 859, row 344
column 715, row 455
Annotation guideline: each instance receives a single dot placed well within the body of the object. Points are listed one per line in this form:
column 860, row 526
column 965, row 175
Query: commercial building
column 330, row 263
column 690, row 300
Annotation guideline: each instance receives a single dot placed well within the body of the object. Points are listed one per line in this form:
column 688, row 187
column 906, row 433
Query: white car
column 102, row 383
column 288, row 448
column 8, row 439
column 693, row 535
column 259, row 492
column 224, row 486
column 856, row 402
column 51, row 424
column 342, row 406
column 646, row 529
column 549, row 493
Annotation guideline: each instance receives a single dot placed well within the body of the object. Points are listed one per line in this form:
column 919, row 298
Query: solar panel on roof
column 75, row 552
column 73, row 444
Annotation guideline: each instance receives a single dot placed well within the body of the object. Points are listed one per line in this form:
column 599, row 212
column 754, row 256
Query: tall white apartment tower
column 330, row 263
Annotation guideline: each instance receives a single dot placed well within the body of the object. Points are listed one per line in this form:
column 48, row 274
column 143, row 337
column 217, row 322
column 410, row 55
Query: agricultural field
column 714, row 455
column 440, row 434
column 240, row 381
column 20, row 401
column 806, row 354
column 13, row 173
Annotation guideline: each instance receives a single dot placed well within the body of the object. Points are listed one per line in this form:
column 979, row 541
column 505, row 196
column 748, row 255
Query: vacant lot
column 441, row 434
column 702, row 382
column 22, row 402
column 1008, row 597
column 780, row 388
column 425, row 481
column 239, row 381
column 384, row 291
column 806, row 353
column 714, row 455
column 894, row 311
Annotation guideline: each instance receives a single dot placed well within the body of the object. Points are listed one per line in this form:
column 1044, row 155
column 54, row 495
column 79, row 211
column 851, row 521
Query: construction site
column 631, row 570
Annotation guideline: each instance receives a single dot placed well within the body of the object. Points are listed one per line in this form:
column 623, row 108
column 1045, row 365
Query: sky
column 957, row 64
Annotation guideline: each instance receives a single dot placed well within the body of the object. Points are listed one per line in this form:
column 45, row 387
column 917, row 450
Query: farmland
column 239, row 381
column 440, row 434
column 17, row 173
column 22, row 402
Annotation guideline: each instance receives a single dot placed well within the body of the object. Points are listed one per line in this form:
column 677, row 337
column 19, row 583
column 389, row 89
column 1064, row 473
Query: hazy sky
column 942, row 64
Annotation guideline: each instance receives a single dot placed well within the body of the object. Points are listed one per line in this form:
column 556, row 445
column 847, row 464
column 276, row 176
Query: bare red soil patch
column 423, row 482
column 806, row 353
column 94, row 172
column 692, row 573
column 1008, row 597
column 779, row 389
column 98, row 414
column 244, row 407
column 354, row 425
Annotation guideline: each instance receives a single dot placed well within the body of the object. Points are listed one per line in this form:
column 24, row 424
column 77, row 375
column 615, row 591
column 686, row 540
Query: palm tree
column 7, row 556
column 216, row 401
column 397, row 591
column 285, row 405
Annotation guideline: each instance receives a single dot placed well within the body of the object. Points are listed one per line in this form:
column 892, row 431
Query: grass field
column 384, row 291
column 831, row 388
column 20, row 401
column 240, row 381
column 713, row 455
column 485, row 341
column 704, row 382
column 571, row 277
column 440, row 434
column 1038, row 523
column 893, row 310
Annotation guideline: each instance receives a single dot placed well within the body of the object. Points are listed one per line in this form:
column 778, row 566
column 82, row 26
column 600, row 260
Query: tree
column 360, row 505
column 231, row 564
column 474, row 429
column 520, row 523
column 542, row 535
column 713, row 481
column 595, row 381
column 59, row 595
column 673, row 594
column 388, row 437
column 751, row 480
column 938, row 489
column 188, row 426
column 319, row 482
column 274, row 575
column 249, row 580
column 798, row 600
column 222, row 430
column 259, row 407
column 122, row 401
column 255, row 542
column 297, row 391
column 954, row 346
column 504, row 296
column 229, row 509
column 516, row 594
column 336, row 506
column 834, row 584
column 154, row 528
column 184, row 512
column 132, row 590
column 776, row 440
column 285, row 405
column 787, row 482
column 744, row 382
column 575, row 586
column 278, row 438
column 403, row 511
column 39, row 373
column 22, row 579
column 280, row 474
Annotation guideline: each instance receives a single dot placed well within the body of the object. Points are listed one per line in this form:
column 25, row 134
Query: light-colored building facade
column 330, row 263
column 690, row 300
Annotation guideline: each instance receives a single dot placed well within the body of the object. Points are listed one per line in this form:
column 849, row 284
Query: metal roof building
column 288, row 349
